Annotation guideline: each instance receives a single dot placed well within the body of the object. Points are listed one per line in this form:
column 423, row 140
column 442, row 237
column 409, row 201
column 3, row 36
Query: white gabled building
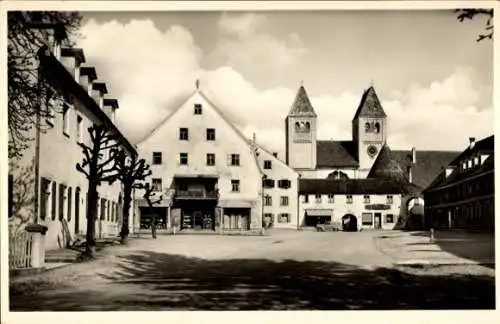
column 205, row 169
column 280, row 185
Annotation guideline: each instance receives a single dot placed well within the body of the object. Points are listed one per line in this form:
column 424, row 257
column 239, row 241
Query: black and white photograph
column 226, row 158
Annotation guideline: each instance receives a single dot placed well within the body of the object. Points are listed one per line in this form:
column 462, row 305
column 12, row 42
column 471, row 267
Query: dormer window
column 197, row 109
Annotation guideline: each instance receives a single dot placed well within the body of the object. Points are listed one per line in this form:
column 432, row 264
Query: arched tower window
column 377, row 127
column 367, row 127
column 297, row 126
column 308, row 127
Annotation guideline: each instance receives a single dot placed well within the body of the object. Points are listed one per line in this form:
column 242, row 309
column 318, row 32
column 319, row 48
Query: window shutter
column 62, row 188
column 54, row 200
column 70, row 199
column 45, row 184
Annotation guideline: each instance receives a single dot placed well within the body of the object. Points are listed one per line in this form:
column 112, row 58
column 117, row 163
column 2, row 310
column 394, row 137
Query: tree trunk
column 127, row 198
column 91, row 217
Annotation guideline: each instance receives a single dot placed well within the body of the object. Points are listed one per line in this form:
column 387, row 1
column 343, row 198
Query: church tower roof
column 301, row 105
column 370, row 105
column 385, row 167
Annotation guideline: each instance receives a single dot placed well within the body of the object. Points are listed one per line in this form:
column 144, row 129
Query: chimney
column 448, row 170
column 413, row 155
column 254, row 138
column 87, row 76
column 109, row 107
column 98, row 90
column 71, row 58
column 472, row 142
column 410, row 174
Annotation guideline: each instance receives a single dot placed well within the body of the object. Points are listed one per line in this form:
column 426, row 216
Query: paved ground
column 448, row 247
column 285, row 270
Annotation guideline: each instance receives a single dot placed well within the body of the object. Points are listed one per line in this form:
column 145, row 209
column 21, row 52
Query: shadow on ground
column 477, row 247
column 156, row 281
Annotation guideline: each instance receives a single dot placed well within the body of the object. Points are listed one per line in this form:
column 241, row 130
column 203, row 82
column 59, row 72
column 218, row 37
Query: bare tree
column 97, row 169
column 29, row 91
column 129, row 170
column 148, row 196
column 471, row 13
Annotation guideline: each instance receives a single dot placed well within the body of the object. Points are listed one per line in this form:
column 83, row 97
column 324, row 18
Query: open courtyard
column 284, row 270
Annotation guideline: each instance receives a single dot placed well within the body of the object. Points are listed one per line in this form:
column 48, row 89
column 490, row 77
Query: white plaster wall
column 279, row 170
column 165, row 139
column 341, row 207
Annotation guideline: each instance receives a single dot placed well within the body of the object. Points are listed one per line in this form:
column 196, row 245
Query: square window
column 367, row 219
column 210, row 134
column 284, row 184
column 267, row 164
column 349, row 199
column 183, row 134
column 210, row 159
column 284, row 218
column 197, row 109
column 183, row 158
column 284, row 201
column 331, row 198
column 156, row 157
column 235, row 185
column 234, row 159
column 389, row 218
column 268, row 201
column 366, row 199
column 318, row 198
column 156, row 184
column 268, row 183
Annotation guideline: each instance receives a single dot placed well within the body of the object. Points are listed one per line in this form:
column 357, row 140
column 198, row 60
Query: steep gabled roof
column 369, row 105
column 428, row 164
column 334, row 154
column 302, row 105
column 385, row 167
column 271, row 155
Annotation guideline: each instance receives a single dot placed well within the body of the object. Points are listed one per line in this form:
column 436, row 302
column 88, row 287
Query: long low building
column 46, row 188
column 463, row 195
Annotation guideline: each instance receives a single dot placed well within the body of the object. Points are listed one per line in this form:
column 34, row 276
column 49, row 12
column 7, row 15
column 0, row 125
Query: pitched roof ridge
column 370, row 105
column 386, row 167
column 238, row 132
column 164, row 120
column 260, row 146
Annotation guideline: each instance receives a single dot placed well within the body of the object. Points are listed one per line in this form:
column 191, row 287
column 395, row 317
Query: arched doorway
column 349, row 223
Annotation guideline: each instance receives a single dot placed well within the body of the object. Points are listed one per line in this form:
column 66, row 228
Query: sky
column 435, row 82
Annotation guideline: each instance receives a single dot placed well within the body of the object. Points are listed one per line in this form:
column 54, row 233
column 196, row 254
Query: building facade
column 463, row 195
column 211, row 177
column 358, row 181
column 46, row 187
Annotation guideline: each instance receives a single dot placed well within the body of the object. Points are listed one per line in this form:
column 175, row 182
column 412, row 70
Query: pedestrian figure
column 431, row 237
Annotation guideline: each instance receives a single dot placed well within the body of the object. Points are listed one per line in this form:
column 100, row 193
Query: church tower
column 300, row 130
column 369, row 129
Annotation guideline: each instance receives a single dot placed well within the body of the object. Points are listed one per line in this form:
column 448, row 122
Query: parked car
column 328, row 227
